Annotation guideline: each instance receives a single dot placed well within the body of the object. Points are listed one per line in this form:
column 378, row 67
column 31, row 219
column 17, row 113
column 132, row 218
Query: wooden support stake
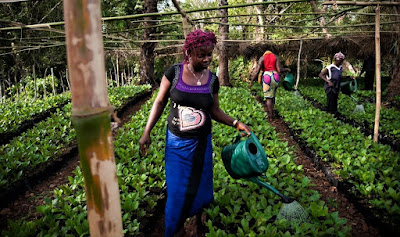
column 61, row 80
column 34, row 81
column 1, row 91
column 298, row 65
column 44, row 84
column 67, row 78
column 16, row 85
column 117, row 75
column 91, row 111
column 52, row 82
column 378, row 72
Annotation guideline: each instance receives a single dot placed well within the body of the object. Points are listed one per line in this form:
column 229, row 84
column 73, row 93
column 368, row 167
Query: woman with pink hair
column 193, row 93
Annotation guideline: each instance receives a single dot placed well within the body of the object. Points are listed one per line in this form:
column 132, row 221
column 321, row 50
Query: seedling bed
column 364, row 128
column 32, row 177
column 6, row 137
column 374, row 216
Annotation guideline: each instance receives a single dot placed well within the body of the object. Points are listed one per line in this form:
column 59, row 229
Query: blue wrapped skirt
column 189, row 175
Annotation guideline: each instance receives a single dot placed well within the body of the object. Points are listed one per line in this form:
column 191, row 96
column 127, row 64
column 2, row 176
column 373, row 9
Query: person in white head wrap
column 339, row 56
column 332, row 75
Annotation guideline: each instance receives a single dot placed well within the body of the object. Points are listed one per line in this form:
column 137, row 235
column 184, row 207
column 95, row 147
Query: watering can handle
column 238, row 137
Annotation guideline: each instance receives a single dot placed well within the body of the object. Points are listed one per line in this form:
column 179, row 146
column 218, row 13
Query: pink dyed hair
column 197, row 39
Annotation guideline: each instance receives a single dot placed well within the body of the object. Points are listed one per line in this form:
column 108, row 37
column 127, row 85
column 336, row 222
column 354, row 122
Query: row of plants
column 389, row 122
column 370, row 168
column 141, row 181
column 242, row 208
column 120, row 95
column 15, row 113
column 46, row 142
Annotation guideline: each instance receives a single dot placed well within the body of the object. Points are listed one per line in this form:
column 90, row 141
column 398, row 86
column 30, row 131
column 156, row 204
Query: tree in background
column 147, row 48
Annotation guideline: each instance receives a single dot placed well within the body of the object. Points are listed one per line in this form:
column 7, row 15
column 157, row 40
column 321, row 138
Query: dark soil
column 24, row 205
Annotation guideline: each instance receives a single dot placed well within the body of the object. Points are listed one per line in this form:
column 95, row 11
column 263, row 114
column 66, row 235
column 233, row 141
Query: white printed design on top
column 190, row 118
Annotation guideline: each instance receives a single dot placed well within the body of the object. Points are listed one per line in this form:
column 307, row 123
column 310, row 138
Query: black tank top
column 189, row 110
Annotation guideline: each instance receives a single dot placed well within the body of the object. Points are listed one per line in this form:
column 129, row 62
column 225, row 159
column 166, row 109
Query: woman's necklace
column 198, row 79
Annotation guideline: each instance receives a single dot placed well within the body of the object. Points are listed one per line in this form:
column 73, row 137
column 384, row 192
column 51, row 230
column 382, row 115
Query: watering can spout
column 284, row 198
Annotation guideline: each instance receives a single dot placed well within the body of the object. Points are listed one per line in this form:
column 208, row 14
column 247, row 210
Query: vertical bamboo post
column 9, row 84
column 23, row 84
column 16, row 85
column 67, row 78
column 298, row 65
column 91, row 115
column 44, row 84
column 377, row 71
column 52, row 82
column 185, row 20
column 34, row 81
column 115, row 72
column 1, row 91
column 125, row 77
column 4, row 89
column 117, row 76
column 107, row 81
column 111, row 79
column 61, row 80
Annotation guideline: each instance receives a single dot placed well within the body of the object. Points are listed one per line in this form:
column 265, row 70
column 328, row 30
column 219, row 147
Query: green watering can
column 348, row 87
column 288, row 82
column 247, row 159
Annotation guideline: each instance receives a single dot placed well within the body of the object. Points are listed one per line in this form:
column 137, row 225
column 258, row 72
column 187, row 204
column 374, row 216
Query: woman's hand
column 243, row 127
column 330, row 83
column 144, row 143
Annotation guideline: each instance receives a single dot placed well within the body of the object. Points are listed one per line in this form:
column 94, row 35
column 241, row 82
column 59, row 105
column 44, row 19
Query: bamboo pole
column 62, row 82
column 298, row 65
column 91, row 111
column 4, row 89
column 67, row 78
column 52, row 82
column 34, row 81
column 1, row 91
column 108, row 82
column 117, row 73
column 48, row 25
column 16, row 85
column 9, row 84
column 185, row 19
column 44, row 84
column 377, row 73
column 362, row 3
